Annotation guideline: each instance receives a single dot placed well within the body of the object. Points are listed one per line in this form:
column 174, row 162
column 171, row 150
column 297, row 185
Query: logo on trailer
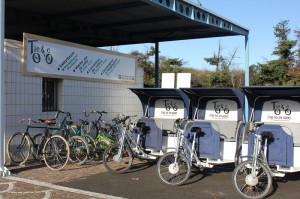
column 277, row 108
column 218, row 107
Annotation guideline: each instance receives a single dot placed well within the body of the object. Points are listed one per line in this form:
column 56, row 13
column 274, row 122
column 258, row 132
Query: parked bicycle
column 118, row 157
column 270, row 144
column 53, row 149
column 99, row 129
column 79, row 146
column 103, row 133
column 253, row 178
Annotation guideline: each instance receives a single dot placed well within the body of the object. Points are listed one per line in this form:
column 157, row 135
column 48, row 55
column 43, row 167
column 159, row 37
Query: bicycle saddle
column 267, row 135
column 196, row 130
column 69, row 122
column 140, row 124
column 50, row 122
column 143, row 127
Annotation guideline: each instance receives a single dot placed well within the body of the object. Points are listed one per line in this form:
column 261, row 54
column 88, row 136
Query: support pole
column 156, row 63
column 3, row 170
column 246, row 74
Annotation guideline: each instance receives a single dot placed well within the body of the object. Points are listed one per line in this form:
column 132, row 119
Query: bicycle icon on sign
column 219, row 107
column 277, row 108
column 170, row 105
column 36, row 52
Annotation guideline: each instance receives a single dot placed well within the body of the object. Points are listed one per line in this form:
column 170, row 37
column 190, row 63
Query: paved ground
column 36, row 181
column 91, row 181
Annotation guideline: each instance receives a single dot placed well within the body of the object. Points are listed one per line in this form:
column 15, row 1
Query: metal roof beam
column 98, row 9
column 138, row 21
column 187, row 9
column 166, row 30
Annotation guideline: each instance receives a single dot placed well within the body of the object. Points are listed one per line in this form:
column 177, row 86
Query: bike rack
column 4, row 172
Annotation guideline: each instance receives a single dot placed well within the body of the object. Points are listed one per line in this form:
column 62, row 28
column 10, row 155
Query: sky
column 258, row 16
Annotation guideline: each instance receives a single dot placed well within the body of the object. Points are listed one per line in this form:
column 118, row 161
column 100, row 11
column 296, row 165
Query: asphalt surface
column 143, row 182
column 91, row 181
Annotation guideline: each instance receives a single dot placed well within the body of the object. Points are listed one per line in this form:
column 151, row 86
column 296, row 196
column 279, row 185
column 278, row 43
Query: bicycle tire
column 171, row 172
column 37, row 141
column 247, row 186
column 92, row 147
column 79, row 150
column 93, row 131
column 102, row 144
column 19, row 148
column 56, row 152
column 114, row 164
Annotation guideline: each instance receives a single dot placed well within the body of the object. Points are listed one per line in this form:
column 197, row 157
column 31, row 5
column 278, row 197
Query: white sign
column 183, row 80
column 49, row 57
column 169, row 109
column 281, row 111
column 168, row 80
column 221, row 109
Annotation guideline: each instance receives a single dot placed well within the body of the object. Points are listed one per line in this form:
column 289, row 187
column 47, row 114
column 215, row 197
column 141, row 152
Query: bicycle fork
column 118, row 157
column 257, row 145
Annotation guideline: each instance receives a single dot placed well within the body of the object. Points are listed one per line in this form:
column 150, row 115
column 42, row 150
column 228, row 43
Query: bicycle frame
column 133, row 145
column 182, row 146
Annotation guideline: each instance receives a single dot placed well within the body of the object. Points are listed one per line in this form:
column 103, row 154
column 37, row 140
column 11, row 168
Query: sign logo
column 38, row 51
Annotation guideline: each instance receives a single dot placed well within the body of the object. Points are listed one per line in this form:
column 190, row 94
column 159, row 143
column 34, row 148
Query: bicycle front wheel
column 19, row 148
column 173, row 168
column 251, row 185
column 56, row 152
column 117, row 163
column 79, row 150
column 92, row 147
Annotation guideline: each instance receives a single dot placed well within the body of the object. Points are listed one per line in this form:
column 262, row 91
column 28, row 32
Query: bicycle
column 102, row 137
column 174, row 167
column 79, row 147
column 53, row 149
column 118, row 158
column 253, row 178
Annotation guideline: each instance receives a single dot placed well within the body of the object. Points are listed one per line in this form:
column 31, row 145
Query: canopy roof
column 196, row 93
column 115, row 22
column 145, row 94
column 252, row 92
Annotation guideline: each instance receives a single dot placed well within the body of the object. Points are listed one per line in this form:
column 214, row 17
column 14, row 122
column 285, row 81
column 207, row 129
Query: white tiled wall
column 23, row 94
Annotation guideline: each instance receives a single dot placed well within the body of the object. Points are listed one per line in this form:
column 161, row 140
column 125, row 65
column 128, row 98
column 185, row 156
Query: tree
column 276, row 72
column 171, row 65
column 284, row 48
column 297, row 32
column 148, row 66
column 222, row 76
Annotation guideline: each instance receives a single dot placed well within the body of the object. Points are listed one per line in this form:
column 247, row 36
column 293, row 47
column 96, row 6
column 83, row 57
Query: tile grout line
column 62, row 188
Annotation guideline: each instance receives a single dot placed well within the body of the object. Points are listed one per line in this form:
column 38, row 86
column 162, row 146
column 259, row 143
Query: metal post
column 156, row 63
column 3, row 170
column 246, row 74
column 247, row 60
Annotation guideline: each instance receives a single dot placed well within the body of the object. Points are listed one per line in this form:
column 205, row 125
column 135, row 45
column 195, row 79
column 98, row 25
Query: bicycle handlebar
column 67, row 114
column 94, row 112
column 257, row 124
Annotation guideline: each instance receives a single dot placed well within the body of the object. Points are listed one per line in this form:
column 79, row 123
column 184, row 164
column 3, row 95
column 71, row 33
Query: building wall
column 23, row 95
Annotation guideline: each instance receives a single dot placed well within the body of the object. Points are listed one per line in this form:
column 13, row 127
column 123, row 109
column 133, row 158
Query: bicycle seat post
column 265, row 147
column 195, row 131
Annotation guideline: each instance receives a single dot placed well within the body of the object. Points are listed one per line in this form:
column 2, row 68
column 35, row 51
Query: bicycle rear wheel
column 79, row 150
column 112, row 162
column 249, row 185
column 19, row 148
column 56, row 152
column 172, row 170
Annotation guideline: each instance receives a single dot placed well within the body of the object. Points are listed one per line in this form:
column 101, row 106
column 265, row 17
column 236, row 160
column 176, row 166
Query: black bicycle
column 53, row 149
